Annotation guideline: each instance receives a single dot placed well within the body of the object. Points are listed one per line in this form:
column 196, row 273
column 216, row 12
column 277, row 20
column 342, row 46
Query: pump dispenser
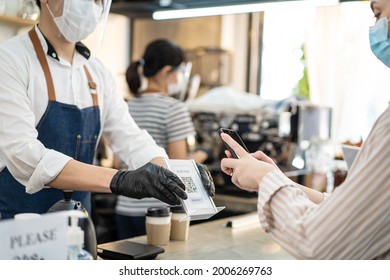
column 76, row 238
column 68, row 204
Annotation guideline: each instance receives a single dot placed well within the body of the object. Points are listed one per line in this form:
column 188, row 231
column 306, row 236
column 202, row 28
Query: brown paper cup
column 158, row 226
column 179, row 229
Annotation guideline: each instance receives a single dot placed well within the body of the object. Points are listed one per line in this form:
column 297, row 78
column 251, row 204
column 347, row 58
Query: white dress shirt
column 352, row 223
column 24, row 98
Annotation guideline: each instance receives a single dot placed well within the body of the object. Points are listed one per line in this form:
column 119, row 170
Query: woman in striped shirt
column 351, row 223
column 152, row 80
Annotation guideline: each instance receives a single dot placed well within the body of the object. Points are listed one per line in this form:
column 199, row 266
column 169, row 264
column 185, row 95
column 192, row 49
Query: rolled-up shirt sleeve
column 33, row 167
column 47, row 170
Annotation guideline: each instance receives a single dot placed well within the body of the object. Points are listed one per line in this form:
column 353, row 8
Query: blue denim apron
column 64, row 128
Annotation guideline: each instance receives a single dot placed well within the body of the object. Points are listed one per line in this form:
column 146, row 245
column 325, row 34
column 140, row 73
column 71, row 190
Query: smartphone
column 232, row 133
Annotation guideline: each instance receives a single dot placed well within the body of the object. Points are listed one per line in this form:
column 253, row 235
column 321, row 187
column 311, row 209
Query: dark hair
column 158, row 54
column 38, row 3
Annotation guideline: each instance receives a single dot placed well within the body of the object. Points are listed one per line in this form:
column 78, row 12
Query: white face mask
column 174, row 88
column 78, row 20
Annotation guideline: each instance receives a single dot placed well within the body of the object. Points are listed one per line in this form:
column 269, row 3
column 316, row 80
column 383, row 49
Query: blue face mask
column 379, row 40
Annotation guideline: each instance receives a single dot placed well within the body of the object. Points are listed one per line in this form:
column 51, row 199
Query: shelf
column 17, row 21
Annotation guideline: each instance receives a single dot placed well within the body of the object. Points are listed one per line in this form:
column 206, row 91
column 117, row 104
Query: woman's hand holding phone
column 247, row 170
column 233, row 134
column 235, row 149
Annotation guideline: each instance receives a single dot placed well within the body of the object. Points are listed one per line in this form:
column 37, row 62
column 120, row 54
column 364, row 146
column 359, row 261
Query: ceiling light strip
column 234, row 9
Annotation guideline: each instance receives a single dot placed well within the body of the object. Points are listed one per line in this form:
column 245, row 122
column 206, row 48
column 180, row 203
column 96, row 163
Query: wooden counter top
column 214, row 241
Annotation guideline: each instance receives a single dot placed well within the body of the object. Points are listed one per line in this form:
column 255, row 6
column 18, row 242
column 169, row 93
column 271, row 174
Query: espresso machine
column 309, row 129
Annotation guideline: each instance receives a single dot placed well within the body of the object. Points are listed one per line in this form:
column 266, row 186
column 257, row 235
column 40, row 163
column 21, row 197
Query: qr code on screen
column 190, row 185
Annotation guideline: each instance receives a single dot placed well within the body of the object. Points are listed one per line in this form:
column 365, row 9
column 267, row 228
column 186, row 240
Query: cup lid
column 158, row 212
column 177, row 209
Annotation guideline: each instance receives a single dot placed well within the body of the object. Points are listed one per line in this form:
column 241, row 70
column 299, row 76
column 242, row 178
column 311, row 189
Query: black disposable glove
column 207, row 180
column 149, row 180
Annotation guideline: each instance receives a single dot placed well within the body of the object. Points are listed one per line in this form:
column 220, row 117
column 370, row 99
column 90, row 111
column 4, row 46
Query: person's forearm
column 159, row 161
column 199, row 156
column 79, row 176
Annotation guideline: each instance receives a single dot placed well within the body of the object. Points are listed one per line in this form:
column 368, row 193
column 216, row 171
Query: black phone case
column 232, row 133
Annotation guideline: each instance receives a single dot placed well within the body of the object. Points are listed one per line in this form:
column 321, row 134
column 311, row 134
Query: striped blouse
column 167, row 120
column 351, row 223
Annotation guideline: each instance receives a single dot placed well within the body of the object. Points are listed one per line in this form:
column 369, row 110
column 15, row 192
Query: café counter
column 233, row 238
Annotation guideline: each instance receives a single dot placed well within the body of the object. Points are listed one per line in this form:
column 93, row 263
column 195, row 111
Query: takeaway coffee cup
column 179, row 227
column 158, row 225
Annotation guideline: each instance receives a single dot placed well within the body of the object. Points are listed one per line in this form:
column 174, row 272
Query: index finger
column 240, row 151
column 171, row 180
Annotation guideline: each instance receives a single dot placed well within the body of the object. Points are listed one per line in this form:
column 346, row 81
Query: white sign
column 42, row 238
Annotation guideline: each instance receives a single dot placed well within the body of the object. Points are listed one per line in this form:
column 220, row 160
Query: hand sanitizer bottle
column 76, row 238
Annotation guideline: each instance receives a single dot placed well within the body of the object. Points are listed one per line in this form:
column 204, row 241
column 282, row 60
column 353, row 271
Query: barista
column 57, row 102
